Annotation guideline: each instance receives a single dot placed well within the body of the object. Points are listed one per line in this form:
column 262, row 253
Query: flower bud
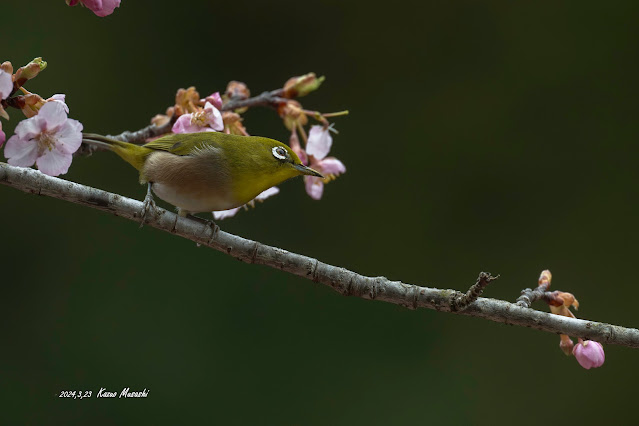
column 32, row 104
column 29, row 71
column 7, row 67
column 291, row 112
column 589, row 354
column 566, row 344
column 302, row 85
column 160, row 120
column 545, row 277
column 237, row 90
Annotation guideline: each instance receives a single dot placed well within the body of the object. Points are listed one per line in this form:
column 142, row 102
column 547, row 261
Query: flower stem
column 336, row 114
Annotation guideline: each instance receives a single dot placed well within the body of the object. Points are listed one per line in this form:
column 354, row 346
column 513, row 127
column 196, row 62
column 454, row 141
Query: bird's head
column 260, row 163
column 286, row 157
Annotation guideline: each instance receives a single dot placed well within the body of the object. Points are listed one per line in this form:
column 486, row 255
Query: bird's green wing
column 186, row 143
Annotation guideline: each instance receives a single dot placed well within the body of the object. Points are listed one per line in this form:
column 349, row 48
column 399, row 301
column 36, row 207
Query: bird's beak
column 307, row 170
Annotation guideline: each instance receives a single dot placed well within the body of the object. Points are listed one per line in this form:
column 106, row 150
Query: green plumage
column 209, row 171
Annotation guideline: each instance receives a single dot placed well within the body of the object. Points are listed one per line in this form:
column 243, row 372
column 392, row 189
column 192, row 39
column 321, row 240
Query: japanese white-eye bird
column 208, row 171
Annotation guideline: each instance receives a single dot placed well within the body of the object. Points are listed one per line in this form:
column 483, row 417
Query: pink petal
column 102, row 8
column 3, row 138
column 301, row 154
column 69, row 136
column 223, row 214
column 314, row 187
column 319, row 142
column 59, row 97
column 51, row 115
column 214, row 117
column 215, row 99
column 28, row 129
column 6, row 84
column 294, row 143
column 589, row 354
column 268, row 193
column 182, row 124
column 54, row 162
column 22, row 153
column 331, row 166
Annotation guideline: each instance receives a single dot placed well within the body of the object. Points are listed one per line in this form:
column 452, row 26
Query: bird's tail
column 135, row 155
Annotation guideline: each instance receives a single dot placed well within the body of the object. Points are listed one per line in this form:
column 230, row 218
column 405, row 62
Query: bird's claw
column 148, row 206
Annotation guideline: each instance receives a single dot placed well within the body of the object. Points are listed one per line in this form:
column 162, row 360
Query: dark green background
column 492, row 136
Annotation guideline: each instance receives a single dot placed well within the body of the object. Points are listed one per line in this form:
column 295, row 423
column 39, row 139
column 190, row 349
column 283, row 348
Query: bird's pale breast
column 194, row 183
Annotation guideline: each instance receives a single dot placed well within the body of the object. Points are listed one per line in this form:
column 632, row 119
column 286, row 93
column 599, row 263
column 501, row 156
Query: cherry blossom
column 48, row 139
column 317, row 147
column 207, row 120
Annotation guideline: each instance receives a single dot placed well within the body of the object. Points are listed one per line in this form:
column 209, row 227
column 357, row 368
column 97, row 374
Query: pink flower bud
column 6, row 84
column 589, row 354
column 7, row 67
column 101, row 8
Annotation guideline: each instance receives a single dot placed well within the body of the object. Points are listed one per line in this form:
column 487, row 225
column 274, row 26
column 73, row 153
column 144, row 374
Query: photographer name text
column 105, row 393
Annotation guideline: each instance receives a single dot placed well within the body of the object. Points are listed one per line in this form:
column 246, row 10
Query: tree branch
column 343, row 281
column 272, row 99
column 145, row 133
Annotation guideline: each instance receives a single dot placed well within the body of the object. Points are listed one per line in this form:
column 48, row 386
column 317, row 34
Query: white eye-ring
column 279, row 152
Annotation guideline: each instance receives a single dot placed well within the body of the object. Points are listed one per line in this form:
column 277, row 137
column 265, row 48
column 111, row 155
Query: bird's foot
column 148, row 205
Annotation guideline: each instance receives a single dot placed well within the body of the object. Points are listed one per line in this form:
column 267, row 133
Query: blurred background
column 495, row 137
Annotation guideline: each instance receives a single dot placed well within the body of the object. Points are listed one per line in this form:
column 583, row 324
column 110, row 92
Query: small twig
column 150, row 131
column 271, row 99
column 139, row 136
column 528, row 296
column 461, row 301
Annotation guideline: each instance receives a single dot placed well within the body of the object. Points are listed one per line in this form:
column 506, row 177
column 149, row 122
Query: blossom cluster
column 589, row 354
column 47, row 137
column 192, row 113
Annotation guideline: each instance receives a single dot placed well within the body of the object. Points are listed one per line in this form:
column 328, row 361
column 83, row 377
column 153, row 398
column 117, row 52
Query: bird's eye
column 279, row 153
